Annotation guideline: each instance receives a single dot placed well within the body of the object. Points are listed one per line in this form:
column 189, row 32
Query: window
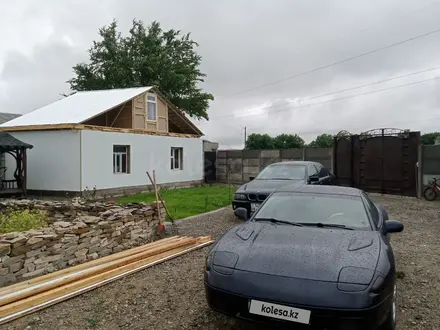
column 372, row 209
column 282, row 172
column 323, row 172
column 121, row 159
column 176, row 158
column 151, row 107
column 313, row 208
column 312, row 170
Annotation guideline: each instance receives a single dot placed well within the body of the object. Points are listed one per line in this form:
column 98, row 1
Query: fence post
column 242, row 167
column 304, row 153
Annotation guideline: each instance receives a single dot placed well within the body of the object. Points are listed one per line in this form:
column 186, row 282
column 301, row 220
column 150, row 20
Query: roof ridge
column 110, row 89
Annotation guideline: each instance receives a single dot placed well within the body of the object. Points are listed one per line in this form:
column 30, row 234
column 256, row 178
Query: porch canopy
column 17, row 149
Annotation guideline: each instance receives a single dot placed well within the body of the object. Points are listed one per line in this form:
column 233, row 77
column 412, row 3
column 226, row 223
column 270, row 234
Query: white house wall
column 147, row 153
column 53, row 163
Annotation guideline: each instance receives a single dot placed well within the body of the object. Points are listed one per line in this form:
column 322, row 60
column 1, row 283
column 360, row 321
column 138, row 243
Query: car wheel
column 390, row 322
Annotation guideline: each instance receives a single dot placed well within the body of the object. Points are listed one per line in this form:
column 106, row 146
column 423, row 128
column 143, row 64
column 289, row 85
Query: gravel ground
column 171, row 296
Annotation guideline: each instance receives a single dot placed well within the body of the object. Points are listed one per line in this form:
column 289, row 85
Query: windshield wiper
column 280, row 179
column 279, row 221
column 323, row 225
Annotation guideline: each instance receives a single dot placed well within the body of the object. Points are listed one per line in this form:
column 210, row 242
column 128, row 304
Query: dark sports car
column 276, row 175
column 311, row 257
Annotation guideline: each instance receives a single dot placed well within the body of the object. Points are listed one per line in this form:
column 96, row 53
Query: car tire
column 390, row 322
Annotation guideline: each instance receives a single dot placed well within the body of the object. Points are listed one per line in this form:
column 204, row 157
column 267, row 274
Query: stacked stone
column 95, row 230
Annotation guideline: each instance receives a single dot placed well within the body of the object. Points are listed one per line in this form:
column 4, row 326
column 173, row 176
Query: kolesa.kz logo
column 278, row 311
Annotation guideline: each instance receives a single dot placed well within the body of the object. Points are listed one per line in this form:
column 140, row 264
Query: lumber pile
column 27, row 297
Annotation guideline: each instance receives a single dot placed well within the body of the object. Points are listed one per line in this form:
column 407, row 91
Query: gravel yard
column 171, row 296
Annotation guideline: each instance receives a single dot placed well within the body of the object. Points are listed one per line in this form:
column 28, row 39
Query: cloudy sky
column 252, row 50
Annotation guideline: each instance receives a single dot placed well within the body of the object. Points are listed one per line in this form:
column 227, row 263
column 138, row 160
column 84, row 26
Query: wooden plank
column 31, row 304
column 88, row 264
column 71, row 277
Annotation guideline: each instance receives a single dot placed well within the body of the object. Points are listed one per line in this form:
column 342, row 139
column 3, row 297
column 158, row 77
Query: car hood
column 312, row 253
column 266, row 185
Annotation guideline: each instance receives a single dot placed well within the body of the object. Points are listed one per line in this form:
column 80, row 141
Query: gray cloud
column 246, row 44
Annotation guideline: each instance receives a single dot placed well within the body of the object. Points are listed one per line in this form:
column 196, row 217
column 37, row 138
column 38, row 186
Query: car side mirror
column 314, row 178
column 251, row 178
column 393, row 226
column 241, row 213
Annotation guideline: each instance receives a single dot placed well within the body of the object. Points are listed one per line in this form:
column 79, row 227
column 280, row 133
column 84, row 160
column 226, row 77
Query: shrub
column 13, row 220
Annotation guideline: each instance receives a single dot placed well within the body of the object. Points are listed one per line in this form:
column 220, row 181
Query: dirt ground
column 171, row 296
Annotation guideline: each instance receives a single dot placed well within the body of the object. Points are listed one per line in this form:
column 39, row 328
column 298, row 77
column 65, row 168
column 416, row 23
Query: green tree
column 288, row 141
column 148, row 56
column 322, row 141
column 259, row 141
column 429, row 138
column 437, row 140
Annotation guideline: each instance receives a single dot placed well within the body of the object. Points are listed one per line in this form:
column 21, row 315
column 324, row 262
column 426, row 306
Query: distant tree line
column 293, row 141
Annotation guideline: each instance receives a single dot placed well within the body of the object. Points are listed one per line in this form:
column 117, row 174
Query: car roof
column 296, row 162
column 320, row 189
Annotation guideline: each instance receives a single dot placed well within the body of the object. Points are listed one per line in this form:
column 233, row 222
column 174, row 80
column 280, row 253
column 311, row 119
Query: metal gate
column 381, row 160
column 210, row 168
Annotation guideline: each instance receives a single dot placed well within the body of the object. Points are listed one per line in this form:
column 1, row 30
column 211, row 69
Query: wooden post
column 161, row 199
column 157, row 197
column 24, row 172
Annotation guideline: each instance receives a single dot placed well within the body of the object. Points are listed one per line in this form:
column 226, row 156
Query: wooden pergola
column 17, row 149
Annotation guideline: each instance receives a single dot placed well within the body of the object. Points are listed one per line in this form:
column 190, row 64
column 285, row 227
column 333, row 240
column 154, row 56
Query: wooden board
column 42, row 300
column 115, row 256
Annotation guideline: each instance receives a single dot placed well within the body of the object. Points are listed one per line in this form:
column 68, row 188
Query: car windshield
column 282, row 172
column 316, row 210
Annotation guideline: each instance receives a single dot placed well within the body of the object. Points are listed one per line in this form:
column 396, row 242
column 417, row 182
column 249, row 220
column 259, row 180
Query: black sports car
column 272, row 177
column 311, row 257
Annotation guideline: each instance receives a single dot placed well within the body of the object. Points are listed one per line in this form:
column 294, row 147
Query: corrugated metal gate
column 382, row 161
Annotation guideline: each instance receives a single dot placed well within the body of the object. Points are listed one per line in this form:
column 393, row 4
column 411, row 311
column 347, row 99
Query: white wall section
column 53, row 163
column 148, row 153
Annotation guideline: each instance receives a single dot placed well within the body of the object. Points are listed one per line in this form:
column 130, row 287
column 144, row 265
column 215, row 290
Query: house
column 209, row 146
column 108, row 139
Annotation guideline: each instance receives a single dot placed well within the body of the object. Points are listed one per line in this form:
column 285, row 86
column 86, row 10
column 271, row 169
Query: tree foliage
column 430, row 138
column 148, row 56
column 282, row 141
column 322, row 141
column 259, row 141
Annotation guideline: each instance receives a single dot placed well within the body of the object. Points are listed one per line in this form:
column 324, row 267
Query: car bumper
column 236, row 304
column 243, row 203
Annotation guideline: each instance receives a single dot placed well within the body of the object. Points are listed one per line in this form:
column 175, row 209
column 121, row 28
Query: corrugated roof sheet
column 4, row 116
column 8, row 143
column 77, row 108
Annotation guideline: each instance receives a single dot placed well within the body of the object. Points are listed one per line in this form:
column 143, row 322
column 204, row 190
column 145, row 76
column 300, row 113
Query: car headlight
column 240, row 196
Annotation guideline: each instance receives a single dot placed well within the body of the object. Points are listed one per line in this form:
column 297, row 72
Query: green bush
column 23, row 220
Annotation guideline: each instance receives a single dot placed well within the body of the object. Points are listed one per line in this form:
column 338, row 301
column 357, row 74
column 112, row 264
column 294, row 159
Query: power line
column 337, row 62
column 338, row 99
column 336, row 92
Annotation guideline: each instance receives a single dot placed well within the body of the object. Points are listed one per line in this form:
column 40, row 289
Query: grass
column 22, row 220
column 186, row 202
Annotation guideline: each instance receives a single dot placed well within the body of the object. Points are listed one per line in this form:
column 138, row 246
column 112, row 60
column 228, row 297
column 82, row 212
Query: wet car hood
column 266, row 185
column 312, row 253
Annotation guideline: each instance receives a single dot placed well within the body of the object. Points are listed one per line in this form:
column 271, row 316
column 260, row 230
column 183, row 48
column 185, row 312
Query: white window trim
column 146, row 106
column 180, row 155
column 127, row 161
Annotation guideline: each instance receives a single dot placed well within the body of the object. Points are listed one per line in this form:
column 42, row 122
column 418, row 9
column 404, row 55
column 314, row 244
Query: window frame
column 147, row 101
column 308, row 170
column 119, row 155
column 179, row 151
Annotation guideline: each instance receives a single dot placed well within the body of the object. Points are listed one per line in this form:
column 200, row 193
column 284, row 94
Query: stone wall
column 77, row 232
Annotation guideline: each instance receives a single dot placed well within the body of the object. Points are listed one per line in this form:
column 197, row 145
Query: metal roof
column 77, row 108
column 4, row 116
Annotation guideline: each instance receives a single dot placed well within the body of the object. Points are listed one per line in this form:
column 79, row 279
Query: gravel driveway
column 171, row 296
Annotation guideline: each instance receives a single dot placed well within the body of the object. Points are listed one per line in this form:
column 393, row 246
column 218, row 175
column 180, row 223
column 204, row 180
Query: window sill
column 121, row 173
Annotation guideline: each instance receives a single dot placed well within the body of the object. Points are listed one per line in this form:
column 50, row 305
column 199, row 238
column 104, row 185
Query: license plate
column 254, row 207
column 279, row 312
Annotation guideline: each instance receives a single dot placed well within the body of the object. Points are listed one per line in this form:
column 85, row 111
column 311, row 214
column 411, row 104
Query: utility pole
column 244, row 137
